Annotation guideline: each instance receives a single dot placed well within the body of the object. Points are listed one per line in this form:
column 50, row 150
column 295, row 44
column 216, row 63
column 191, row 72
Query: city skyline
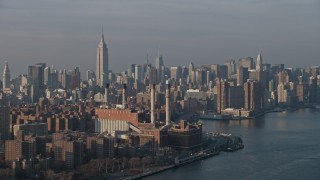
column 161, row 85
column 207, row 33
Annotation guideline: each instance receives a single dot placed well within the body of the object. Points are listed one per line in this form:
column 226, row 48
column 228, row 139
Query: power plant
column 124, row 124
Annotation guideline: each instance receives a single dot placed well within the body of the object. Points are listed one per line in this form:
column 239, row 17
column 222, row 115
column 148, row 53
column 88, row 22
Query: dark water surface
column 283, row 145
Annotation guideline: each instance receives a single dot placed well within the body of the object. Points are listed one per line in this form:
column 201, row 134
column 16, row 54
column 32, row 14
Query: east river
column 283, row 145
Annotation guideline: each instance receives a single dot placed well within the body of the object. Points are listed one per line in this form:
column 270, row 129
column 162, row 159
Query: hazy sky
column 65, row 33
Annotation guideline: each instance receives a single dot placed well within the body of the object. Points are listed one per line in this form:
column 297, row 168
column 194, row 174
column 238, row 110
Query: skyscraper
column 46, row 75
column 159, row 64
column 4, row 122
column 131, row 70
column 222, row 95
column 102, row 71
column 50, row 78
column 259, row 62
column 75, row 78
column 64, row 78
column 36, row 72
column 90, row 75
column 190, row 73
column 253, row 98
column 175, row 73
column 138, row 73
column 259, row 67
column 242, row 75
column 231, row 64
column 223, row 71
column 6, row 76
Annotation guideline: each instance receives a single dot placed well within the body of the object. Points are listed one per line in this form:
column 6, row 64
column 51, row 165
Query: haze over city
column 146, row 89
column 65, row 33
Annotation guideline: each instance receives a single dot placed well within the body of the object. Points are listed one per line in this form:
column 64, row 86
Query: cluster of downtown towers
column 249, row 85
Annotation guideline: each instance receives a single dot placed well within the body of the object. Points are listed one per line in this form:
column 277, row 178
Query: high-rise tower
column 36, row 73
column 6, row 76
column 159, row 64
column 102, row 71
column 4, row 122
column 259, row 62
column 222, row 95
column 259, row 68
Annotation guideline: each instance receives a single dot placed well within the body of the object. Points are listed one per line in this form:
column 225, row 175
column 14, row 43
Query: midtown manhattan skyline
column 65, row 35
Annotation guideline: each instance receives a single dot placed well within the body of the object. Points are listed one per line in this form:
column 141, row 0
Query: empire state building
column 102, row 71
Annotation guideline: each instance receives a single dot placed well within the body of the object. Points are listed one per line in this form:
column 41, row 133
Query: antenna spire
column 102, row 36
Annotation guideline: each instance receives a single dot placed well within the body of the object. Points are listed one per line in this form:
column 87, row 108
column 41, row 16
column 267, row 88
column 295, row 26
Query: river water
column 282, row 145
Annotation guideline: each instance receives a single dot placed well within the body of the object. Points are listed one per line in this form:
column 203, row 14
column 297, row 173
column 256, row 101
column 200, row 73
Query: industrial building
column 153, row 135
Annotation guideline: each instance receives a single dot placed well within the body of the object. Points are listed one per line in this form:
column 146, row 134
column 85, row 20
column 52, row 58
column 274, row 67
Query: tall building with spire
column 259, row 67
column 259, row 62
column 102, row 70
column 6, row 76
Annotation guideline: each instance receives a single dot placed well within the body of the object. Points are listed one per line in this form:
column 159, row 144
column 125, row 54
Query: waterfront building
column 184, row 136
column 313, row 89
column 222, row 95
column 114, row 119
column 282, row 93
column 236, row 97
column 253, row 98
column 302, row 92
column 102, row 66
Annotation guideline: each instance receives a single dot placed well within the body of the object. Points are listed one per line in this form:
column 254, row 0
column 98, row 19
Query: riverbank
column 222, row 143
column 149, row 172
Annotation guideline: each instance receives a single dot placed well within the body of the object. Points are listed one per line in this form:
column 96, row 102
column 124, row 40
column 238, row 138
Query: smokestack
column 167, row 102
column 124, row 95
column 106, row 94
column 152, row 103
